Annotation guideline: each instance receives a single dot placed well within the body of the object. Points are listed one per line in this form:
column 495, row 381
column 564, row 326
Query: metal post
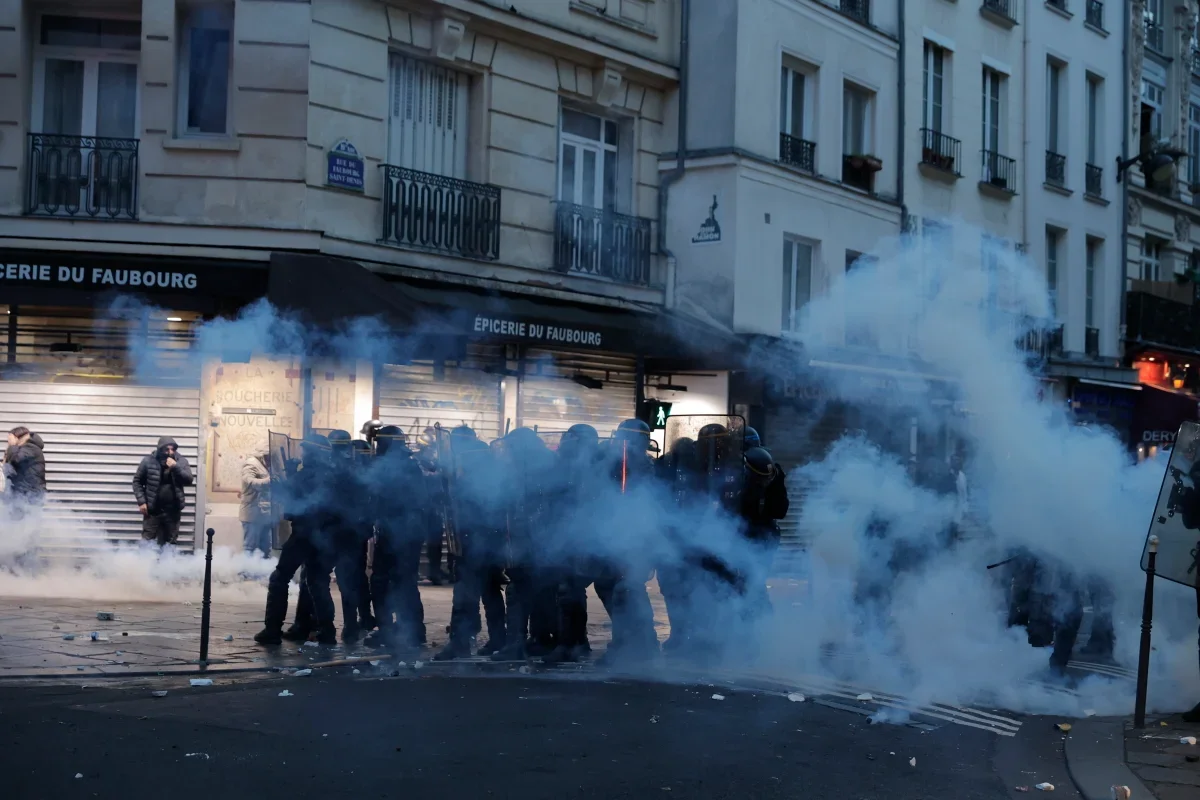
column 1143, row 675
column 207, row 605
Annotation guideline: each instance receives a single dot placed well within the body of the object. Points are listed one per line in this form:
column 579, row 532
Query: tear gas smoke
column 890, row 603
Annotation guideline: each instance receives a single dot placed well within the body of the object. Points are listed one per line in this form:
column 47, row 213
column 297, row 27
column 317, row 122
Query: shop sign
column 97, row 277
column 710, row 229
column 543, row 332
column 345, row 167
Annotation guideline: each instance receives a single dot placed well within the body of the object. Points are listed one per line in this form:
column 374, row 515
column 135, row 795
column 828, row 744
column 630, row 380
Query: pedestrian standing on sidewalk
column 255, row 511
column 158, row 487
column 24, row 470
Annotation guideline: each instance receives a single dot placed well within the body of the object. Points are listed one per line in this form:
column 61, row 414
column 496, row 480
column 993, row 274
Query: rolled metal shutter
column 552, row 401
column 415, row 396
column 797, row 437
column 96, row 435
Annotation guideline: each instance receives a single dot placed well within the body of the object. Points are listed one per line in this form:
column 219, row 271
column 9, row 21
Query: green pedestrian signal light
column 656, row 413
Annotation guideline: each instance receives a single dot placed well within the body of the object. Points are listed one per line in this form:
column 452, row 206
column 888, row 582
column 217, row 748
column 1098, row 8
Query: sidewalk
column 1169, row 769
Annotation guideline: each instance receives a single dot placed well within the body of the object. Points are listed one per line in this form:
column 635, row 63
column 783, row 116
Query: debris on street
column 1045, row 787
column 158, row 694
column 105, row 616
column 654, row 719
column 1188, row 740
column 68, row 637
column 525, row 670
column 286, row 693
column 418, row 664
column 912, row 762
column 78, row 775
column 1065, row 727
column 1021, row 788
column 795, row 697
column 718, row 697
column 310, row 644
column 1121, row 793
column 355, row 672
column 201, row 682
column 300, row 673
column 229, row 637
column 197, row 755
column 864, row 696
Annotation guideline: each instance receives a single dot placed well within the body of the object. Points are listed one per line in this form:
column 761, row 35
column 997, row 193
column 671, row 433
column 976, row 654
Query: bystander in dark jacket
column 158, row 487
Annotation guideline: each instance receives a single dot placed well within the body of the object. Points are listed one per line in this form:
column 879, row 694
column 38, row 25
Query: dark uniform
column 306, row 500
column 764, row 503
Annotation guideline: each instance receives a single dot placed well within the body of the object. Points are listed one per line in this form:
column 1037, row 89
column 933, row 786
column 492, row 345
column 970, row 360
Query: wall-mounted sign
column 345, row 167
column 97, row 277
column 710, row 229
column 536, row 331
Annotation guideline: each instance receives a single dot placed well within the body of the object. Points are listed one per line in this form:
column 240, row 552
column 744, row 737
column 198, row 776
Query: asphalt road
column 489, row 736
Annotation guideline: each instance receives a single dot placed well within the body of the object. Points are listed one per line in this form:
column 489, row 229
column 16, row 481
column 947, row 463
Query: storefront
column 1156, row 418
column 561, row 388
column 465, row 391
column 1107, row 405
column 96, row 356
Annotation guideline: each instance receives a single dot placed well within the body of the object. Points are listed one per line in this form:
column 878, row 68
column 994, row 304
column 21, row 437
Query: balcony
column 1091, row 342
column 82, row 177
column 798, row 152
column 1155, row 36
column 859, row 171
column 1095, row 14
column 856, row 9
column 602, row 244
column 1002, row 12
column 1094, row 181
column 999, row 173
column 430, row 212
column 1041, row 340
column 1060, row 5
column 1056, row 169
column 1154, row 320
column 941, row 152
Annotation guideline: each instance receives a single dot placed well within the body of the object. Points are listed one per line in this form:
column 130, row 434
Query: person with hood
column 255, row 511
column 25, row 466
column 158, row 487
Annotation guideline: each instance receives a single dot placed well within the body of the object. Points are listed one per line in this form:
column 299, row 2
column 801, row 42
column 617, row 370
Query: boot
column 378, row 638
column 269, row 636
column 511, row 652
column 492, row 647
column 350, row 635
column 296, row 633
column 565, row 655
column 454, row 649
column 327, row 636
column 1193, row 715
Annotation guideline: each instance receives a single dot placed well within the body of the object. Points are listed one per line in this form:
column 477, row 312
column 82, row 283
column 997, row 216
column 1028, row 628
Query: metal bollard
column 207, row 605
column 1143, row 674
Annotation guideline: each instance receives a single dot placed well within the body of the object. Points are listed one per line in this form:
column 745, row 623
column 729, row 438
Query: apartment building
column 1160, row 174
column 481, row 176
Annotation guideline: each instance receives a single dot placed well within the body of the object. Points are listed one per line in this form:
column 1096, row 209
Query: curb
column 1095, row 754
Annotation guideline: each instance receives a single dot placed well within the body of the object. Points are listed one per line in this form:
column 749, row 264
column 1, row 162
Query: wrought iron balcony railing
column 1056, row 169
column 1154, row 320
column 856, row 9
column 445, row 215
column 1095, row 14
column 1093, row 181
column 941, row 151
column 82, row 177
column 1155, row 37
column 1001, row 8
column 1061, row 5
column 1091, row 342
column 602, row 244
column 999, row 171
column 1038, row 340
column 798, row 152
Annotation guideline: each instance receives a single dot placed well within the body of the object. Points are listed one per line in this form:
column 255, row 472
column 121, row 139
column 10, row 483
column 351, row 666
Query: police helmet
column 712, row 430
column 634, row 431
column 371, row 428
column 582, row 433
column 361, row 446
column 386, row 436
column 463, row 432
column 750, row 437
column 523, row 437
column 760, row 464
column 314, row 447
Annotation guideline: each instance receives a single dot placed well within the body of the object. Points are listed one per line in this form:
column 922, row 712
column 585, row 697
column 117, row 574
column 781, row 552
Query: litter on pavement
column 418, row 664
column 68, row 637
column 1065, row 727
column 197, row 755
column 201, row 682
column 300, row 673
column 356, row 672
column 718, row 697
column 654, row 718
column 105, row 616
column 864, row 697
column 912, row 762
column 795, row 697
column 158, row 694
column 78, row 775
column 286, row 693
column 1121, row 793
column 1188, row 740
column 1045, row 787
column 229, row 637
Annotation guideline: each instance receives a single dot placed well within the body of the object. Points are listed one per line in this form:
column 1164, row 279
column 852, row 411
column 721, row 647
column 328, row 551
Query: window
column 1053, row 239
column 427, row 124
column 588, row 157
column 1093, row 120
column 1151, row 259
column 1194, row 145
column 795, row 111
column 991, row 110
column 1054, row 75
column 856, row 121
column 1154, row 21
column 1152, row 116
column 86, row 77
column 204, row 70
column 797, row 281
column 1089, row 305
column 935, row 66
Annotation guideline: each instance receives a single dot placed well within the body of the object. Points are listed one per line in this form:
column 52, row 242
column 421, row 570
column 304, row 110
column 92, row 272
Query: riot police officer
column 621, row 579
column 473, row 489
column 306, row 500
column 349, row 540
column 764, row 503
column 399, row 507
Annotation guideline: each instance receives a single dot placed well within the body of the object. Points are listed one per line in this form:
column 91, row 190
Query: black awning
column 543, row 322
column 327, row 292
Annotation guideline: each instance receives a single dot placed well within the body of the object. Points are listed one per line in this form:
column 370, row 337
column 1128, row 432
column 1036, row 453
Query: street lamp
column 1156, row 164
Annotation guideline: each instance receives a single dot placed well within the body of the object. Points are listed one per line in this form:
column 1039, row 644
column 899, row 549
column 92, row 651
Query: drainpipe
column 665, row 181
column 1029, row 165
column 900, row 126
column 1124, row 196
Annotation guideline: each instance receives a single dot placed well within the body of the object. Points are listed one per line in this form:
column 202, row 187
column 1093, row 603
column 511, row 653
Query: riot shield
column 718, row 448
column 1176, row 520
column 528, row 466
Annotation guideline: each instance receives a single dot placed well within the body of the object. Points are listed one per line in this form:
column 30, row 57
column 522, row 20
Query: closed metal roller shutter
column 552, row 400
column 415, row 396
column 797, row 435
column 96, row 435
